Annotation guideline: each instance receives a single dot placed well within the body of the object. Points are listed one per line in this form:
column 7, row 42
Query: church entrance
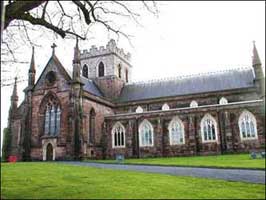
column 49, row 152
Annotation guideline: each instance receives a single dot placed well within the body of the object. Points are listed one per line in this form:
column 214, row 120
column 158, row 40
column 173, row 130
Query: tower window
column 101, row 69
column 126, row 75
column 85, row 71
column 119, row 71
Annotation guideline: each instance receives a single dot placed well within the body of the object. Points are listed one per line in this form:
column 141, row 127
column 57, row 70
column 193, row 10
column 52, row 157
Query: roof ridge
column 173, row 78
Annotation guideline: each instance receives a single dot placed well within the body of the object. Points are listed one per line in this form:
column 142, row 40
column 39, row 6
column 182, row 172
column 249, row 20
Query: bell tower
column 109, row 67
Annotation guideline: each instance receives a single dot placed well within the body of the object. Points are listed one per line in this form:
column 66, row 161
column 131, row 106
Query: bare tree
column 68, row 19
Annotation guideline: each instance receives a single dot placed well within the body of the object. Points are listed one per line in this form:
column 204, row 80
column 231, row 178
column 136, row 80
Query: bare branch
column 10, row 50
column 85, row 12
column 63, row 11
column 155, row 12
column 22, row 16
column 14, row 9
column 44, row 10
column 26, row 32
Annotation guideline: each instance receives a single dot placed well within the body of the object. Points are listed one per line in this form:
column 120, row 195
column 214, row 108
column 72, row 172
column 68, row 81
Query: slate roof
column 89, row 85
column 185, row 85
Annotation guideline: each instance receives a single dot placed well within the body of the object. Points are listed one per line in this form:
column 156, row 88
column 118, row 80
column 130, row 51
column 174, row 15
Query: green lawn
column 224, row 161
column 60, row 181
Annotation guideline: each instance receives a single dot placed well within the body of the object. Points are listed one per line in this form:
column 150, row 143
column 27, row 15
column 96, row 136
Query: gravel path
column 243, row 175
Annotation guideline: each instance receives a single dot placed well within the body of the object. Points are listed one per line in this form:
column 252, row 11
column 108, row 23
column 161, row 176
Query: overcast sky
column 187, row 38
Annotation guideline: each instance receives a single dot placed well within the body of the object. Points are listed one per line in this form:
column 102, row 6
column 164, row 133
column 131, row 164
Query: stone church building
column 96, row 111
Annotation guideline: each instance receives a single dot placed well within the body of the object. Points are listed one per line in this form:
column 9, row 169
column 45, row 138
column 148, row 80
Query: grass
column 60, row 181
column 221, row 161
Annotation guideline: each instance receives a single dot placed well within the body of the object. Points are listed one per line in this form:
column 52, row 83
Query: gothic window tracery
column 52, row 117
column 118, row 135
column 145, row 134
column 247, row 126
column 176, row 131
column 208, row 129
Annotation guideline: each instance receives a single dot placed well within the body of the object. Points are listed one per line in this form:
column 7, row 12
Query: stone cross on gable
column 53, row 47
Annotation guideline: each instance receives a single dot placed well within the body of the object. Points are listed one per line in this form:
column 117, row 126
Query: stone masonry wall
column 94, row 150
column 228, row 133
column 184, row 101
column 111, row 86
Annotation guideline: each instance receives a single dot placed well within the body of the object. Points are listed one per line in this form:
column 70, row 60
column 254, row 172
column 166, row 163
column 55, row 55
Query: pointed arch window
column 165, row 107
column 92, row 126
column 119, row 71
column 223, row 101
column 176, row 131
column 208, row 129
column 101, row 69
column 52, row 117
column 118, row 135
column 126, row 76
column 193, row 104
column 85, row 72
column 139, row 109
column 145, row 134
column 247, row 126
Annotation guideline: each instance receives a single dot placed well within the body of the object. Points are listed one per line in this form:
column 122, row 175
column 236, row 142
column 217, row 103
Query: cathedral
column 97, row 112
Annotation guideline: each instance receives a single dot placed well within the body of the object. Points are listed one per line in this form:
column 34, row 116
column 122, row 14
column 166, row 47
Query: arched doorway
column 49, row 152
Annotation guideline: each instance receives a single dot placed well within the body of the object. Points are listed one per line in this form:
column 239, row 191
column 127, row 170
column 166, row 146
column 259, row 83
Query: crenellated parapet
column 111, row 47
